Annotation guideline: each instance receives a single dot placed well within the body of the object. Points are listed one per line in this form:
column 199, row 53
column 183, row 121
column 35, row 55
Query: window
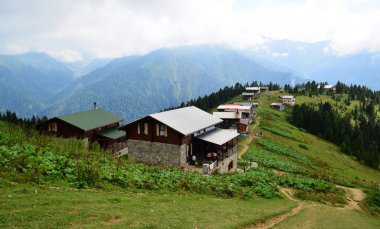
column 142, row 128
column 161, row 130
column 52, row 127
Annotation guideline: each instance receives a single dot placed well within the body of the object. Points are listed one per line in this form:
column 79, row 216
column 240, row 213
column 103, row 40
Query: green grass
column 31, row 206
column 326, row 158
column 329, row 217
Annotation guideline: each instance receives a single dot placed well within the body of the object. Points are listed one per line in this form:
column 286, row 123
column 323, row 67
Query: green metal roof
column 92, row 119
column 113, row 133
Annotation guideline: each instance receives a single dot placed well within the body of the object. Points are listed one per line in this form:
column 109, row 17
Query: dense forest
column 357, row 132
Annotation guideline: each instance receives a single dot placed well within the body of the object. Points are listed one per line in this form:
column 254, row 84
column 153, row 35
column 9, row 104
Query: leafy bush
column 372, row 201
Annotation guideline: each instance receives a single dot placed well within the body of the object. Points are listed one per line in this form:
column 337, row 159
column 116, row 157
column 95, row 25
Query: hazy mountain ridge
column 135, row 86
column 317, row 62
column 28, row 80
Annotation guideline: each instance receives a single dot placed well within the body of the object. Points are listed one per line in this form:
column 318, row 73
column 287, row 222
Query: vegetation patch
column 280, row 133
column 372, row 201
column 271, row 160
column 281, row 149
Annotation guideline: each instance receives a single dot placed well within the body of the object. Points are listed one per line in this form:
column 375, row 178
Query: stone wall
column 155, row 153
column 223, row 165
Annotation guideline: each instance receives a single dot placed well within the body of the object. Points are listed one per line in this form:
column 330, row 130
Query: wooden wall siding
column 243, row 128
column 228, row 123
column 247, row 97
column 172, row 136
column 64, row 129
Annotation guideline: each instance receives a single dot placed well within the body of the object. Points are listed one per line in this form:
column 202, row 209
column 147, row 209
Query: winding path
column 353, row 197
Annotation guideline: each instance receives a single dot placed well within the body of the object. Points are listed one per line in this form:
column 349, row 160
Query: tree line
column 356, row 132
column 214, row 99
column 12, row 117
column 354, row 92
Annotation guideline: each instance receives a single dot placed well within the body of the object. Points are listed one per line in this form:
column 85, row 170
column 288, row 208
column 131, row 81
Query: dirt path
column 246, row 142
column 353, row 197
column 277, row 219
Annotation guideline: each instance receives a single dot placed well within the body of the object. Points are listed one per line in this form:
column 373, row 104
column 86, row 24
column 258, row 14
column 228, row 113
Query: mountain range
column 132, row 86
column 317, row 61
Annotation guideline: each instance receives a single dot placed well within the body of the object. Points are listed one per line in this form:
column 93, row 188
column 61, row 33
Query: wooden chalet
column 328, row 87
column 94, row 125
column 247, row 96
column 254, row 90
column 288, row 100
column 277, row 106
column 245, row 110
column 181, row 137
column 230, row 119
column 264, row 89
column 243, row 125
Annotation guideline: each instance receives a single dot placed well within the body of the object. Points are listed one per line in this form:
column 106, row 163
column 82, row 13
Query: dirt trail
column 353, row 197
column 277, row 219
column 247, row 142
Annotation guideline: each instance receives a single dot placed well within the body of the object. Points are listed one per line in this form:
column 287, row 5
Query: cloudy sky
column 72, row 29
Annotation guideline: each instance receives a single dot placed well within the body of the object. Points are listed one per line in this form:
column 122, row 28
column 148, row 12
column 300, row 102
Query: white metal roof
column 248, row 93
column 187, row 120
column 327, row 86
column 276, row 104
column 228, row 115
column 218, row 136
column 287, row 97
column 234, row 107
column 252, row 89
column 245, row 103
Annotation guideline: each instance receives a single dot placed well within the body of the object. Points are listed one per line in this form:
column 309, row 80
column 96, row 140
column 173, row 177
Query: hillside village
column 185, row 137
column 243, row 151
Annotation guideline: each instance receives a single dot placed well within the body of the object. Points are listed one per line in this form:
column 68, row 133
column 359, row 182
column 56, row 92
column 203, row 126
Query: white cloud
column 280, row 54
column 107, row 28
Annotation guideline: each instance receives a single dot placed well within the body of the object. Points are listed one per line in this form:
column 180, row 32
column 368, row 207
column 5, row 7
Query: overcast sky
column 72, row 29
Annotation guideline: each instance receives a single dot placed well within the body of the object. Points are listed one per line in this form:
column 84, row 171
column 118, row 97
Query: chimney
column 95, row 106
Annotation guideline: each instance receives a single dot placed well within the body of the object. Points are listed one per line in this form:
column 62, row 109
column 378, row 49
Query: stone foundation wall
column 223, row 165
column 154, row 153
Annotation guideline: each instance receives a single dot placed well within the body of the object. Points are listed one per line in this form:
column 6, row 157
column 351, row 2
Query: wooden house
column 264, row 89
column 94, row 125
column 245, row 110
column 181, row 137
column 328, row 87
column 230, row 119
column 243, row 125
column 277, row 106
column 247, row 96
column 288, row 100
column 254, row 90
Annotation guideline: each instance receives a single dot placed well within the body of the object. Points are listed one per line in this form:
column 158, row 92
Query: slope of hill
column 122, row 193
column 36, row 75
column 16, row 101
column 134, row 86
